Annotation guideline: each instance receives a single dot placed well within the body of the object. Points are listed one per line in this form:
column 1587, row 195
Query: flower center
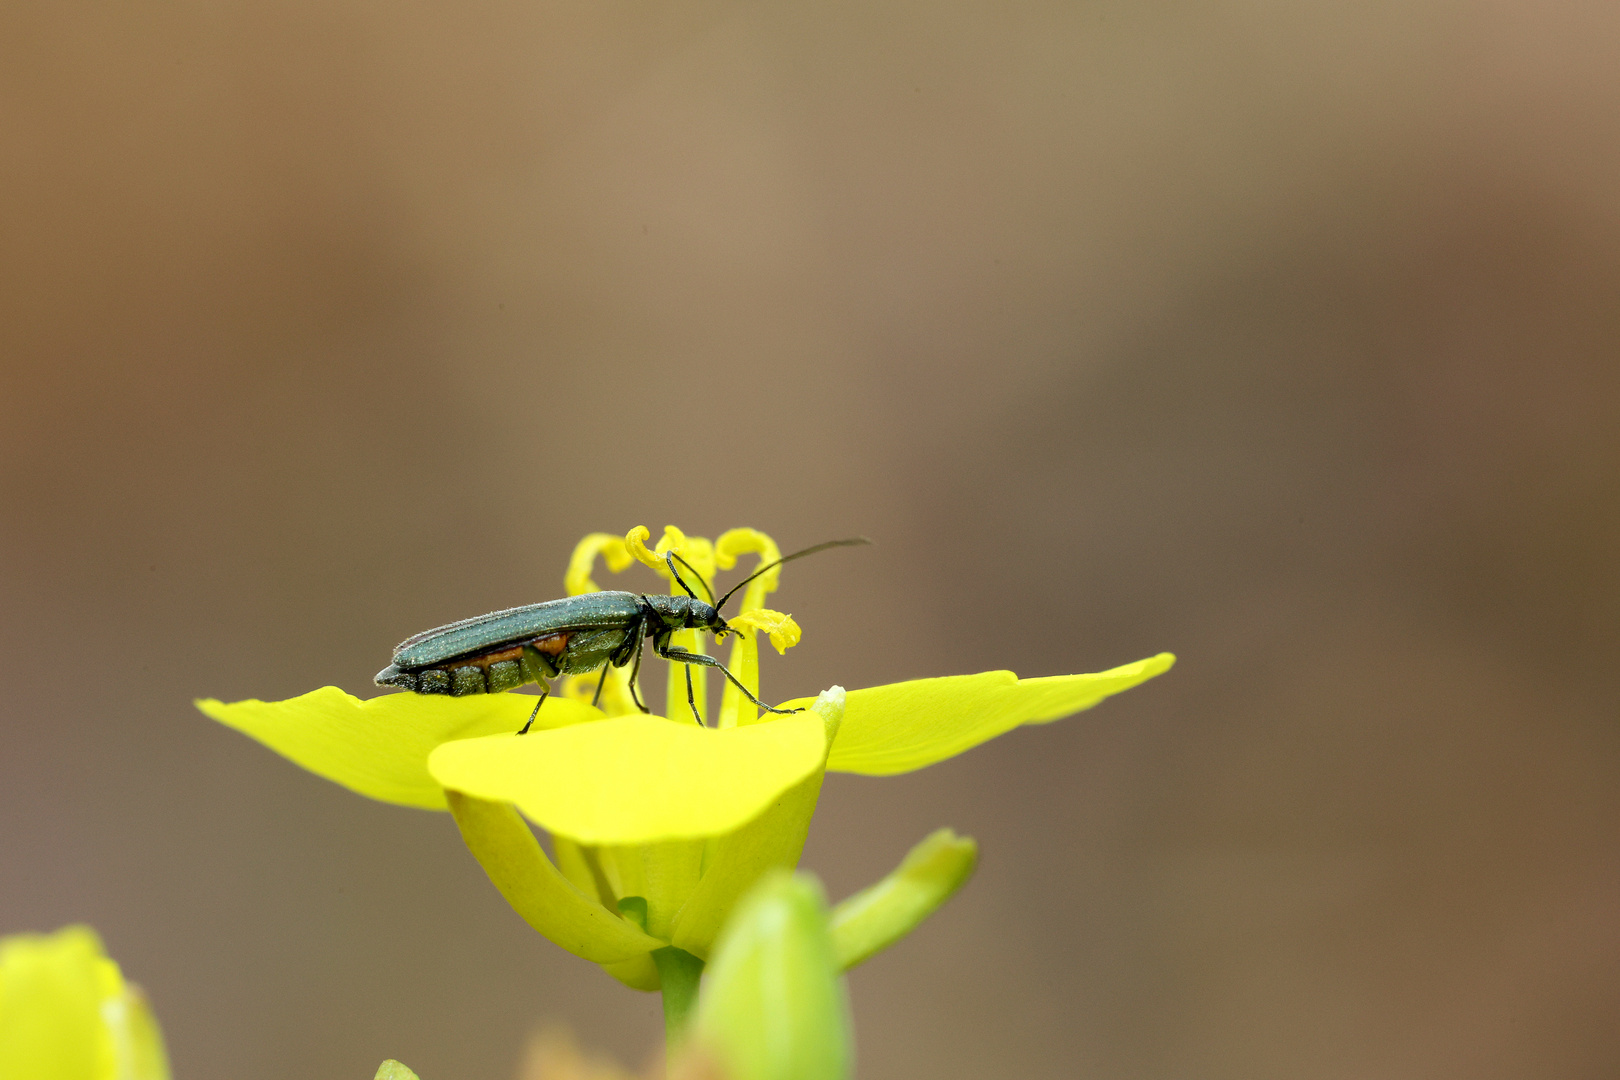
column 696, row 559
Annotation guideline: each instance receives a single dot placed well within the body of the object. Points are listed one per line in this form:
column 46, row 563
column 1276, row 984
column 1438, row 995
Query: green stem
column 679, row 972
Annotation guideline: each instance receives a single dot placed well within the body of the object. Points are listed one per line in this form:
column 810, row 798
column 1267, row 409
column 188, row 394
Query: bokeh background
column 1282, row 336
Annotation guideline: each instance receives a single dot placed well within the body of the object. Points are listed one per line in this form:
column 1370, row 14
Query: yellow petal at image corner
column 637, row 779
column 909, row 725
column 379, row 747
column 66, row 1012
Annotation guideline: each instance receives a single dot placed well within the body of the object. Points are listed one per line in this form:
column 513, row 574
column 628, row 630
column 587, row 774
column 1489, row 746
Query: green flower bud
column 881, row 914
column 773, row 1004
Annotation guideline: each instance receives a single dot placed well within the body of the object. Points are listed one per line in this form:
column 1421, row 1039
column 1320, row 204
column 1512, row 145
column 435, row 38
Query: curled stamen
column 694, row 550
column 613, row 551
column 734, row 706
column 736, row 542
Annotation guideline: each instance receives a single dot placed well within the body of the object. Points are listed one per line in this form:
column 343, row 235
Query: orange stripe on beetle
column 551, row 644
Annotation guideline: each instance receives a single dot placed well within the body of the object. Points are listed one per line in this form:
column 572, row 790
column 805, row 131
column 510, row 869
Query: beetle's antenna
column 854, row 541
column 689, row 566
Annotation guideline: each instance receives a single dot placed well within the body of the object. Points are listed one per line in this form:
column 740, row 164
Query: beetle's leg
column 690, row 700
column 544, row 691
column 635, row 689
column 680, row 655
column 635, row 670
column 600, row 683
column 671, row 558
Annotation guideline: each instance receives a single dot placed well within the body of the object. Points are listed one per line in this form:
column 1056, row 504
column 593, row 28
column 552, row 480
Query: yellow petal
column 135, row 1030
column 516, row 864
column 380, row 747
column 784, row 632
column 636, row 779
column 67, row 1014
column 910, row 725
column 578, row 578
column 615, row 699
column 773, row 840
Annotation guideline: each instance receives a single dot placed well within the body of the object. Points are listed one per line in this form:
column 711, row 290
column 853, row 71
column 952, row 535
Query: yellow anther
column 736, row 542
column 612, row 549
column 784, row 632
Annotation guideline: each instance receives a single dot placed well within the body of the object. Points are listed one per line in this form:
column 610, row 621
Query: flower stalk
column 774, row 1007
column 679, row 975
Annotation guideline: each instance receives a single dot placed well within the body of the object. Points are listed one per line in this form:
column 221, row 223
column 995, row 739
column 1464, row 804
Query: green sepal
column 510, row 854
column 638, row 972
column 393, row 1070
column 633, row 908
column 661, row 876
column 773, row 1004
column 886, row 911
column 574, row 860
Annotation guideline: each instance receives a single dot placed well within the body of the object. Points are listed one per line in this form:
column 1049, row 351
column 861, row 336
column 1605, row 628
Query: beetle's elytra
column 506, row 649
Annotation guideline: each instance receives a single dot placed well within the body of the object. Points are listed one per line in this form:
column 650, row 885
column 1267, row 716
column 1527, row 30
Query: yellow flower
column 658, row 828
column 773, row 1005
column 66, row 1013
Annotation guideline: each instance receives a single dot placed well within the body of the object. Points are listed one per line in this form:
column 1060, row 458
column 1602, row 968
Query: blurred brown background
column 1281, row 336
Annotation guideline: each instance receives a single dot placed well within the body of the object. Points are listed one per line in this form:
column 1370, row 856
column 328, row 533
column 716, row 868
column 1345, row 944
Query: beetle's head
column 686, row 613
column 702, row 616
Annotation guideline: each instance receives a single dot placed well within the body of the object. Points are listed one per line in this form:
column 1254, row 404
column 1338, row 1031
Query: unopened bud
column 773, row 1004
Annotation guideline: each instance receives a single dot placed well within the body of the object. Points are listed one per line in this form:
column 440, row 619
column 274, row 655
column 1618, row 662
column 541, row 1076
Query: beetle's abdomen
column 491, row 671
column 449, row 645
column 589, row 649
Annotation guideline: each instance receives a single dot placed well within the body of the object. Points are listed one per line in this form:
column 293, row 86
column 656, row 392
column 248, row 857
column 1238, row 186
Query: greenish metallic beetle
column 531, row 644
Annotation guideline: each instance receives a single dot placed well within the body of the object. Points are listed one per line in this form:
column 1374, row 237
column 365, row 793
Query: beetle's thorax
column 684, row 613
